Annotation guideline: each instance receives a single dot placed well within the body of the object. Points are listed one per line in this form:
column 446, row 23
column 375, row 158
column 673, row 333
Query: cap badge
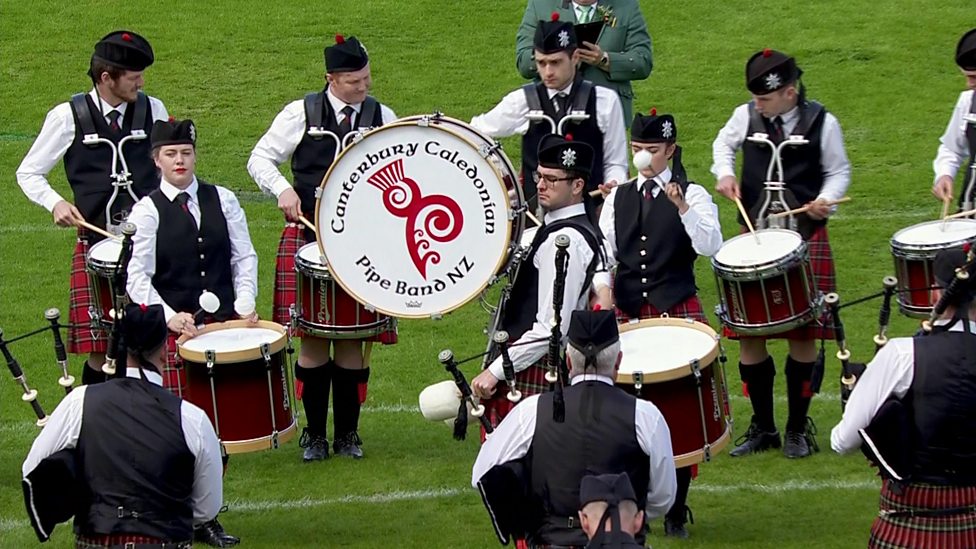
column 563, row 38
column 667, row 129
column 569, row 157
column 773, row 81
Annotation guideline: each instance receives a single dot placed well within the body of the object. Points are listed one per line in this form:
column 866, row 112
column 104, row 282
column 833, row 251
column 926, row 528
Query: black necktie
column 561, row 101
column 647, row 203
column 346, row 125
column 778, row 128
column 648, row 185
column 113, row 121
column 182, row 199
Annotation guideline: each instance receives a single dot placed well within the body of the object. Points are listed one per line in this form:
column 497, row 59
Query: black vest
column 971, row 139
column 582, row 97
column 89, row 167
column 314, row 155
column 802, row 171
column 655, row 258
column 191, row 260
column 135, row 462
column 942, row 400
column 598, row 437
column 520, row 313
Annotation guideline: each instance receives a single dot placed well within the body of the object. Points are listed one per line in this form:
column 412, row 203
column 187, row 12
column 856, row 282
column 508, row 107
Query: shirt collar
column 339, row 104
column 591, row 377
column 566, row 212
column 579, row 8
column 153, row 377
column 170, row 191
column 567, row 90
column 662, row 178
column 790, row 115
column 104, row 107
column 956, row 326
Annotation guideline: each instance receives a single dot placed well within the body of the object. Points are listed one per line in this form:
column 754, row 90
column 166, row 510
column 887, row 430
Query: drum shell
column 242, row 411
column 324, row 309
column 914, row 268
column 767, row 298
column 101, row 273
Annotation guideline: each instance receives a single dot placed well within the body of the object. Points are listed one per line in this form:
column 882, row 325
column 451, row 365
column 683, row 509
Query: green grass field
column 884, row 68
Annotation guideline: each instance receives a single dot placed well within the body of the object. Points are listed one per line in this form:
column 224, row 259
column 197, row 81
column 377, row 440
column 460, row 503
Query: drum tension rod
column 695, row 365
column 638, row 380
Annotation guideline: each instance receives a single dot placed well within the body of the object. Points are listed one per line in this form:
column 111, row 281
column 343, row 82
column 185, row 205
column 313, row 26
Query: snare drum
column 236, row 372
column 101, row 262
column 768, row 287
column 914, row 249
column 324, row 309
column 417, row 217
column 673, row 363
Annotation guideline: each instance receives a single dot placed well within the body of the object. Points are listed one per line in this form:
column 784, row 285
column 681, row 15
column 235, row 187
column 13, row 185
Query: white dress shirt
column 64, row 428
column 513, row 438
column 142, row 266
column 280, row 141
column 509, row 118
column 953, row 146
column 833, row 157
column 700, row 221
column 544, row 260
column 890, row 373
column 57, row 134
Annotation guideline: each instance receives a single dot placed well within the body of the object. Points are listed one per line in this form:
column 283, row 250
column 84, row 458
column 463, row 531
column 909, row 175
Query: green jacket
column 627, row 42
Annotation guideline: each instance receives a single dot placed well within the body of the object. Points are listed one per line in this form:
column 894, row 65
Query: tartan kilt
column 286, row 283
column 958, row 530
column 689, row 308
column 82, row 339
column 825, row 281
column 530, row 381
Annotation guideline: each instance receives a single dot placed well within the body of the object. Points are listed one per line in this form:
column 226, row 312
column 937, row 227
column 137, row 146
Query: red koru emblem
column 433, row 217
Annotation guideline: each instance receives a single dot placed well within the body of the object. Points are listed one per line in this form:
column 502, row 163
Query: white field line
column 256, row 506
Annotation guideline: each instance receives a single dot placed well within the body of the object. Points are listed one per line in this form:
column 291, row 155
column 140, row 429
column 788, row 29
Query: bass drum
column 417, row 217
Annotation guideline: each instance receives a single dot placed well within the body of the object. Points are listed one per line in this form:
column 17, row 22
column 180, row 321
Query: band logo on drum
column 413, row 225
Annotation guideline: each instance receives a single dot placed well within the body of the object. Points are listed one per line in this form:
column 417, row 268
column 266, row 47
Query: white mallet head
column 642, row 160
column 209, row 302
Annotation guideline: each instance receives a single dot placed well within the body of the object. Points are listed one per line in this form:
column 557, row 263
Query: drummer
column 657, row 227
column 116, row 71
column 191, row 236
column 564, row 167
column 958, row 143
column 344, row 104
column 561, row 89
column 814, row 173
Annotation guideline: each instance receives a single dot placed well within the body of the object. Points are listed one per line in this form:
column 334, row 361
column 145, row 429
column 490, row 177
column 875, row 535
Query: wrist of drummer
column 280, row 185
column 168, row 312
column 244, row 305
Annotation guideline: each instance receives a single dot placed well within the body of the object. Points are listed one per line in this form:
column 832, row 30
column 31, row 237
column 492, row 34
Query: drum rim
column 789, row 257
column 512, row 225
column 317, row 270
column 262, row 443
column 927, row 251
column 678, row 372
column 698, row 456
column 101, row 266
column 231, row 357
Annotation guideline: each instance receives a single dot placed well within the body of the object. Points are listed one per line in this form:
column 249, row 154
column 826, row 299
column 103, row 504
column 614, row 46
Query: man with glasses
column 564, row 167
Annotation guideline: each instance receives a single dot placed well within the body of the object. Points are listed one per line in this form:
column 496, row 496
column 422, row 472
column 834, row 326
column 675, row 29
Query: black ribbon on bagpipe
column 119, row 280
column 555, row 365
column 446, row 357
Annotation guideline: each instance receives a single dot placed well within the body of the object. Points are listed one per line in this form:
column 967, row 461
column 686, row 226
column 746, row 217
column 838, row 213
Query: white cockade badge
column 772, row 81
column 193, row 133
column 569, row 157
column 563, row 38
column 667, row 129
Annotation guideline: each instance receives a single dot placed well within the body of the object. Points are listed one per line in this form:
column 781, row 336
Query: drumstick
column 945, row 211
column 533, row 218
column 306, row 222
column 804, row 209
column 597, row 192
column 98, row 230
column 745, row 217
column 966, row 213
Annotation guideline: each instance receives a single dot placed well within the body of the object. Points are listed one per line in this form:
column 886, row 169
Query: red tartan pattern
column 822, row 267
column 689, row 308
column 116, row 540
column 82, row 339
column 530, row 381
column 286, row 283
column 958, row 530
column 174, row 379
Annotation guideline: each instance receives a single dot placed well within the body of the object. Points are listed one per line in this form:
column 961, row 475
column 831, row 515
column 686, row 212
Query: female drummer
column 191, row 237
column 297, row 132
column 657, row 227
column 815, row 173
column 958, row 143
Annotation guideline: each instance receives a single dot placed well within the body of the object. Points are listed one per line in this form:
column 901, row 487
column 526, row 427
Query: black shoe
column 316, row 446
column 674, row 525
column 348, row 445
column 800, row 444
column 212, row 533
column 755, row 440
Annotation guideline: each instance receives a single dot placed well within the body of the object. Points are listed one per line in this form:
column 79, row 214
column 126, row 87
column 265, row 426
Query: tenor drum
column 767, row 287
column 236, row 372
column 101, row 262
column 674, row 364
column 325, row 309
column 914, row 249
column 417, row 217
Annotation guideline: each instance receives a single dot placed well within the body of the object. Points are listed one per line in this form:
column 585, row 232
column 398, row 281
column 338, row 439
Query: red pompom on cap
column 554, row 16
column 126, row 37
column 967, row 247
column 767, row 52
column 143, row 307
column 653, row 111
column 569, row 137
column 172, row 118
column 340, row 39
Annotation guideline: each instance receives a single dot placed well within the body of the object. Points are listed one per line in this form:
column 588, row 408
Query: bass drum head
column 744, row 251
column 103, row 256
column 661, row 349
column 413, row 219
column 935, row 235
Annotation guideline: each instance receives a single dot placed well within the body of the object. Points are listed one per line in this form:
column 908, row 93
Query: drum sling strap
column 86, row 119
column 591, row 237
column 971, row 140
column 315, row 111
column 808, row 115
column 580, row 99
